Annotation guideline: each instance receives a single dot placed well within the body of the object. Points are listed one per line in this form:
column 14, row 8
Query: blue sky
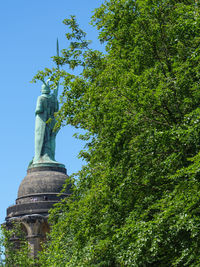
column 28, row 32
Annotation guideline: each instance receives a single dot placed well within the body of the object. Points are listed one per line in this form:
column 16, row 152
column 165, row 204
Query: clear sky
column 28, row 33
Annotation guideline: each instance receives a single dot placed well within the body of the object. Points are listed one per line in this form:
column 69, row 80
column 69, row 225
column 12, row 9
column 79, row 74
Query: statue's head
column 45, row 87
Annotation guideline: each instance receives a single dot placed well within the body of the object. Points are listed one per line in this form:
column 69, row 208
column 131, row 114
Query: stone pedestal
column 37, row 193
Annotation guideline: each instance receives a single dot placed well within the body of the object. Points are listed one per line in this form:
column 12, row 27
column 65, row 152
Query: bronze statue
column 47, row 105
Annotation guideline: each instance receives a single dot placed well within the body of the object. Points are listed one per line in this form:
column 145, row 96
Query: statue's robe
column 46, row 106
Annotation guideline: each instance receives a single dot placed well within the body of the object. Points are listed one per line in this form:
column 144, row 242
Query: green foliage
column 136, row 202
column 14, row 247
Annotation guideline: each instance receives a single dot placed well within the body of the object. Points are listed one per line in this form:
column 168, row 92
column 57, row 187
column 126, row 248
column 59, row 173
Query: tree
column 14, row 248
column 136, row 201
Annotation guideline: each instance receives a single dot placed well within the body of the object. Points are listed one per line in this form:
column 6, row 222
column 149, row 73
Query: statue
column 47, row 105
column 45, row 135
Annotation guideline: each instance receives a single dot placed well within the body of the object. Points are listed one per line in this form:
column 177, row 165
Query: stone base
column 39, row 191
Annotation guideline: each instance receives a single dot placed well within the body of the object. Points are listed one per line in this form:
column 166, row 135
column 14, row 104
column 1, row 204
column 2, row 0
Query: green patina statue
column 47, row 105
column 45, row 135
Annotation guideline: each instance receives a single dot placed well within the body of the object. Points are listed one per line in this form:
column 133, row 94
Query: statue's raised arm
column 55, row 91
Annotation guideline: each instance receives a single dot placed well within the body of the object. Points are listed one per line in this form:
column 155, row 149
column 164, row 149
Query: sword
column 57, row 47
column 58, row 67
